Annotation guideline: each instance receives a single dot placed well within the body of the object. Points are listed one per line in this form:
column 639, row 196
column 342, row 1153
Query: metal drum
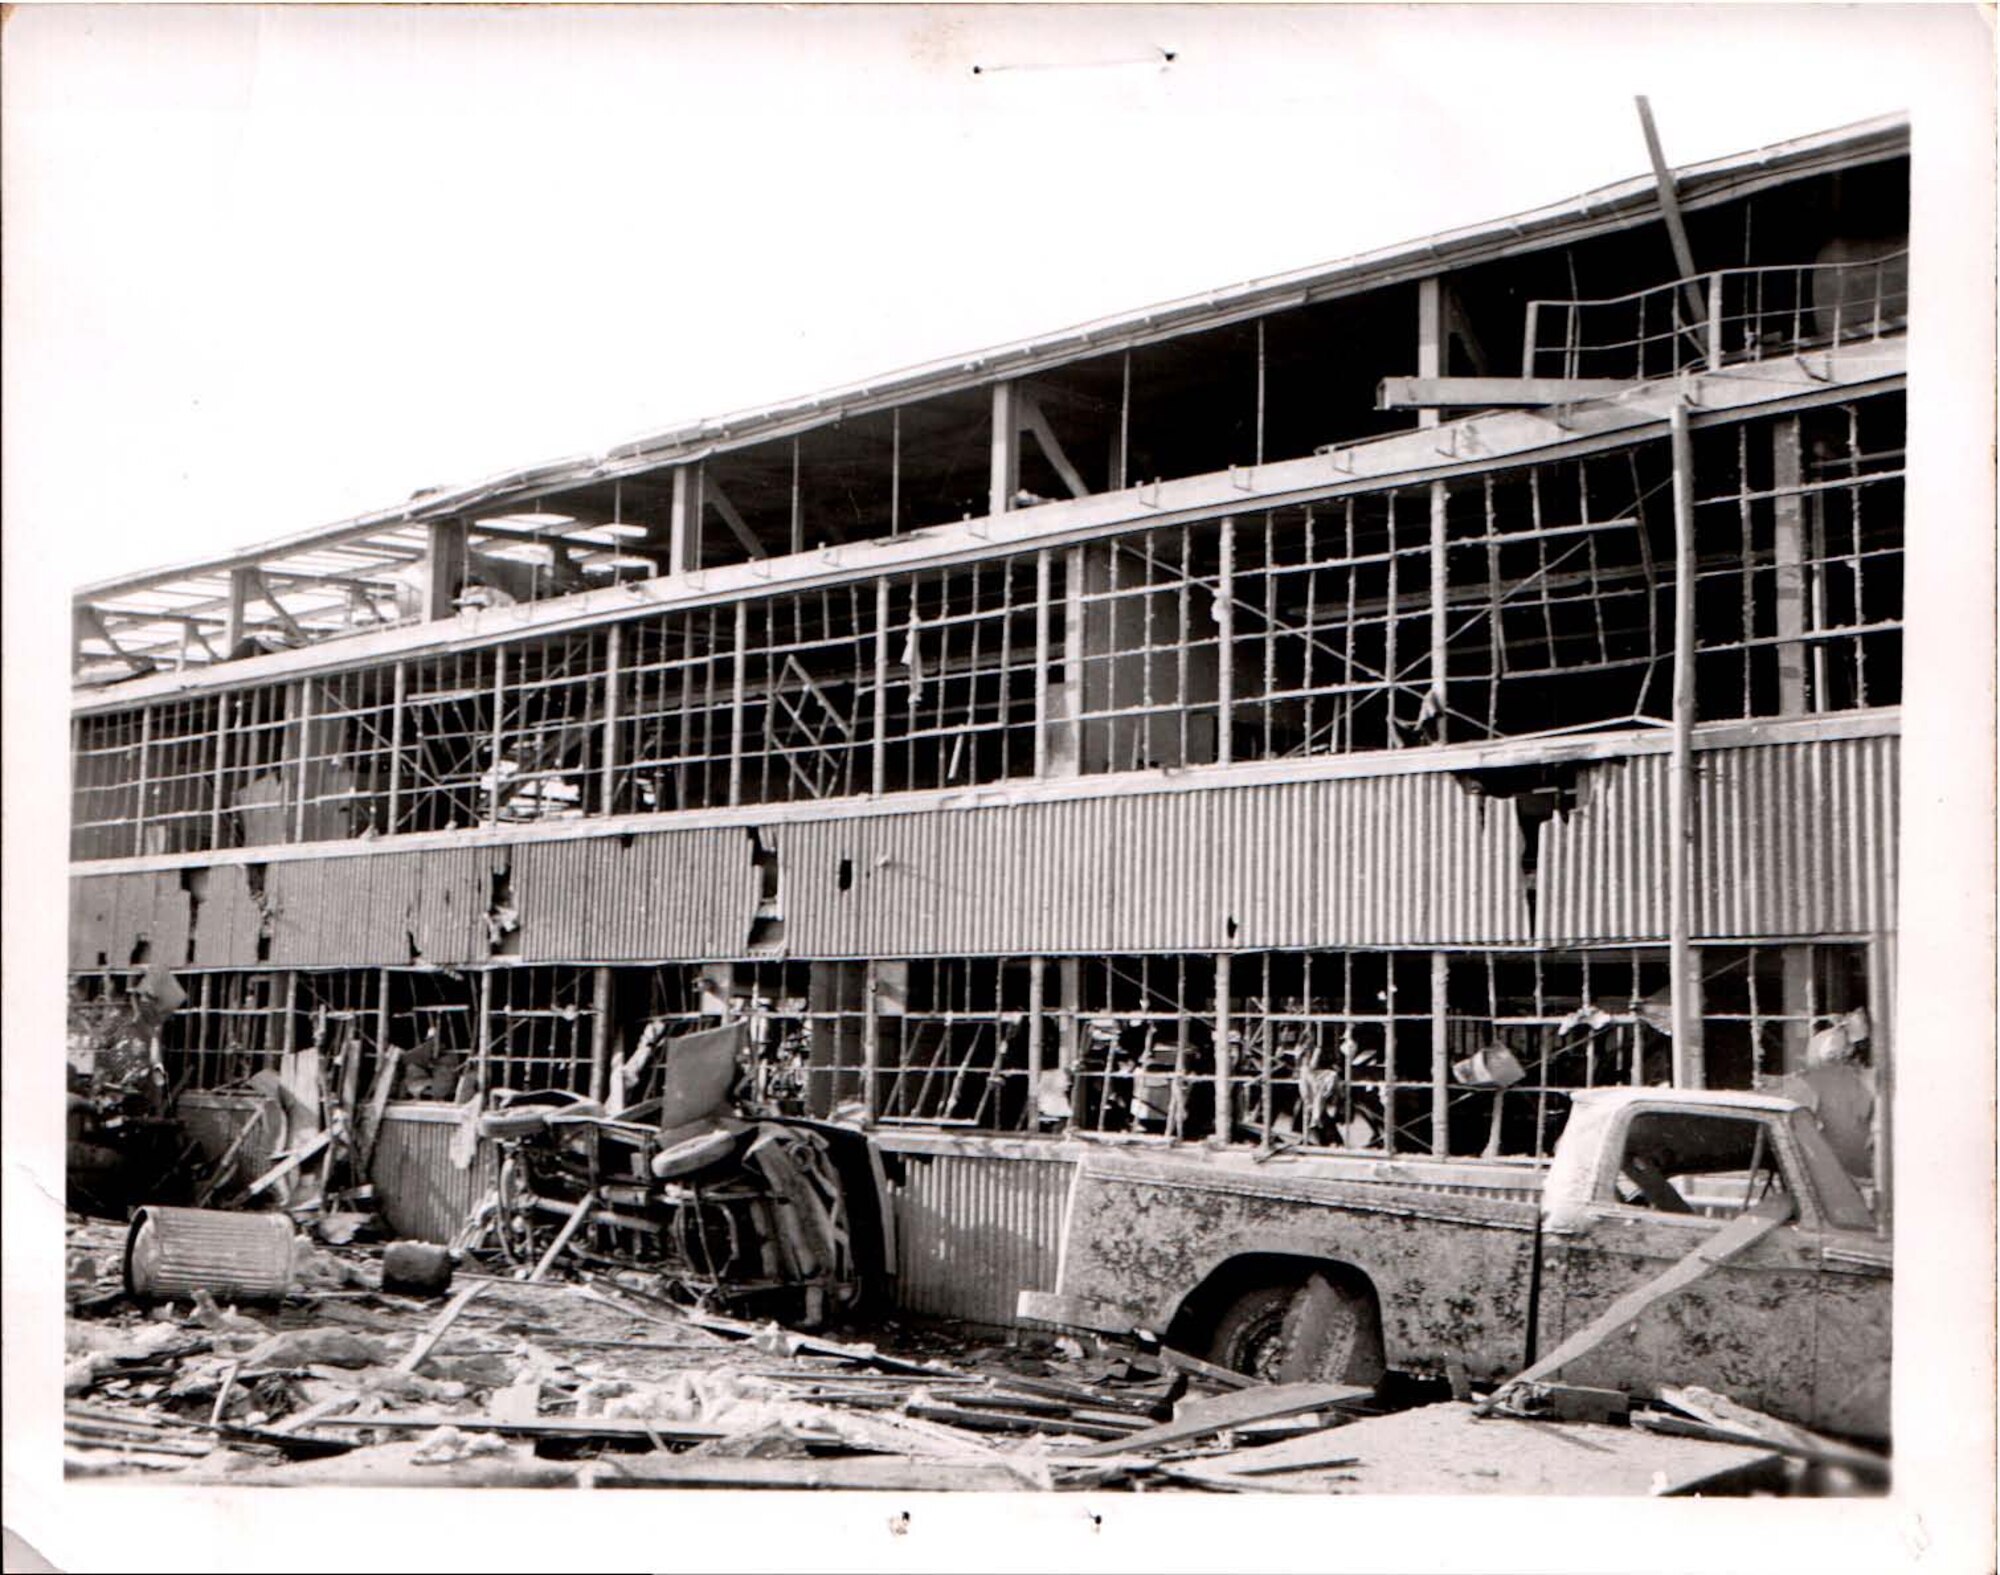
column 172, row 1253
column 416, row 1268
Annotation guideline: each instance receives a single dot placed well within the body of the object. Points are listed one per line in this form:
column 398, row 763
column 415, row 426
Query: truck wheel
column 1249, row 1337
column 1316, row 1332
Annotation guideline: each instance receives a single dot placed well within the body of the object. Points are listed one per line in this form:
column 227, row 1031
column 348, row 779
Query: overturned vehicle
column 772, row 1216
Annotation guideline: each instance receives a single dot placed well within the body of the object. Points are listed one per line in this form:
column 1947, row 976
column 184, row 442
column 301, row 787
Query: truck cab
column 1325, row 1267
column 1797, row 1324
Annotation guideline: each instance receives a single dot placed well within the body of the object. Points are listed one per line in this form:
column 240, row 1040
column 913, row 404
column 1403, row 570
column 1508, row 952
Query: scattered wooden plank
column 290, row 1163
column 225, row 1166
column 1720, row 1411
column 1205, row 1474
column 391, row 1465
column 387, row 1069
column 577, row 1215
column 1318, row 1451
column 428, row 1340
column 878, row 1473
column 541, row 1426
column 1192, row 1419
column 1740, row 1234
column 1181, row 1361
column 223, row 1389
column 1015, row 1422
column 1871, row 1466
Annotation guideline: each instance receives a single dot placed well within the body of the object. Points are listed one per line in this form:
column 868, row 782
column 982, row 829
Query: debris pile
column 595, row 1380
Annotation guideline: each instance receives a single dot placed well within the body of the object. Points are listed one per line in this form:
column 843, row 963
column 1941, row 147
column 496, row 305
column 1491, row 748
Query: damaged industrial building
column 1271, row 826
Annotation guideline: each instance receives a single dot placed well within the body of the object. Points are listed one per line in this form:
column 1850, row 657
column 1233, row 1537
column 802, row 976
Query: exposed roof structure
column 350, row 575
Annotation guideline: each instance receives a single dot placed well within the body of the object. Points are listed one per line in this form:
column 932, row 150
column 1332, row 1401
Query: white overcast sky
column 270, row 267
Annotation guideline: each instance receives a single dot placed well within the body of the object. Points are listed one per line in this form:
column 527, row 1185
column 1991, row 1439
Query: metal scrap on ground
column 593, row 1381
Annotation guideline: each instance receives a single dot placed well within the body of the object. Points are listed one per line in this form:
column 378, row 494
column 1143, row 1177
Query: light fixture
column 534, row 552
column 524, row 521
column 607, row 535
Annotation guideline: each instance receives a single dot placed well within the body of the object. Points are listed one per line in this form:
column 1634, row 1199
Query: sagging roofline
column 1604, row 208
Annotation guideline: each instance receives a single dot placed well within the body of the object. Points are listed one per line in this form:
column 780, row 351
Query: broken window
column 954, row 1044
column 1144, row 638
column 551, row 735
column 178, row 802
column 256, row 783
column 1762, row 1005
column 1678, row 1162
column 1141, row 1037
column 349, row 722
column 1330, row 608
column 1799, row 587
column 960, row 673
column 433, row 1018
column 1331, row 1049
column 1306, row 631
column 447, row 750
column 338, row 1012
column 231, row 1025
column 540, row 1025
column 807, row 664
column 674, row 745
column 107, row 783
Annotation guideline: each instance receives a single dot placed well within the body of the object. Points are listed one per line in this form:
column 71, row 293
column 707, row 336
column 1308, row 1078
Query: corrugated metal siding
column 150, row 905
column 1798, row 839
column 1603, row 872
column 1367, row 862
column 665, row 894
column 423, row 1195
column 445, row 895
column 1795, row 839
column 361, row 911
column 1790, row 839
column 974, row 1230
column 227, row 922
column 92, row 899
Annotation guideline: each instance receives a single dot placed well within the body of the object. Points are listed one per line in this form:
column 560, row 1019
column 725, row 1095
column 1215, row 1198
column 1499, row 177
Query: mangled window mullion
column 255, row 783
column 551, row 729
column 1320, row 647
column 343, row 1006
column 181, row 762
column 668, row 756
column 347, row 725
column 1551, row 619
column 810, row 710
column 433, row 1018
column 1813, row 536
column 108, row 779
column 1149, row 1046
column 448, row 735
column 541, row 1027
column 957, row 696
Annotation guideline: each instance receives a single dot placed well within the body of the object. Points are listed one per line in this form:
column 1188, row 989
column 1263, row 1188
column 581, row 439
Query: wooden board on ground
column 1448, row 1448
column 1194, row 1418
column 393, row 1465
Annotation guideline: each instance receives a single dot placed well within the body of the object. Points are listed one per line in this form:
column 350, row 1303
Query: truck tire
column 1320, row 1332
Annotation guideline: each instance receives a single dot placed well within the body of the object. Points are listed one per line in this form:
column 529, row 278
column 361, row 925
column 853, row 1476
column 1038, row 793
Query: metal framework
column 1341, row 1051
column 1523, row 602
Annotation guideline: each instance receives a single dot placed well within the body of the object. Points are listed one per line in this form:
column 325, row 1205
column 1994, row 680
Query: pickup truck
column 1317, row 1267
